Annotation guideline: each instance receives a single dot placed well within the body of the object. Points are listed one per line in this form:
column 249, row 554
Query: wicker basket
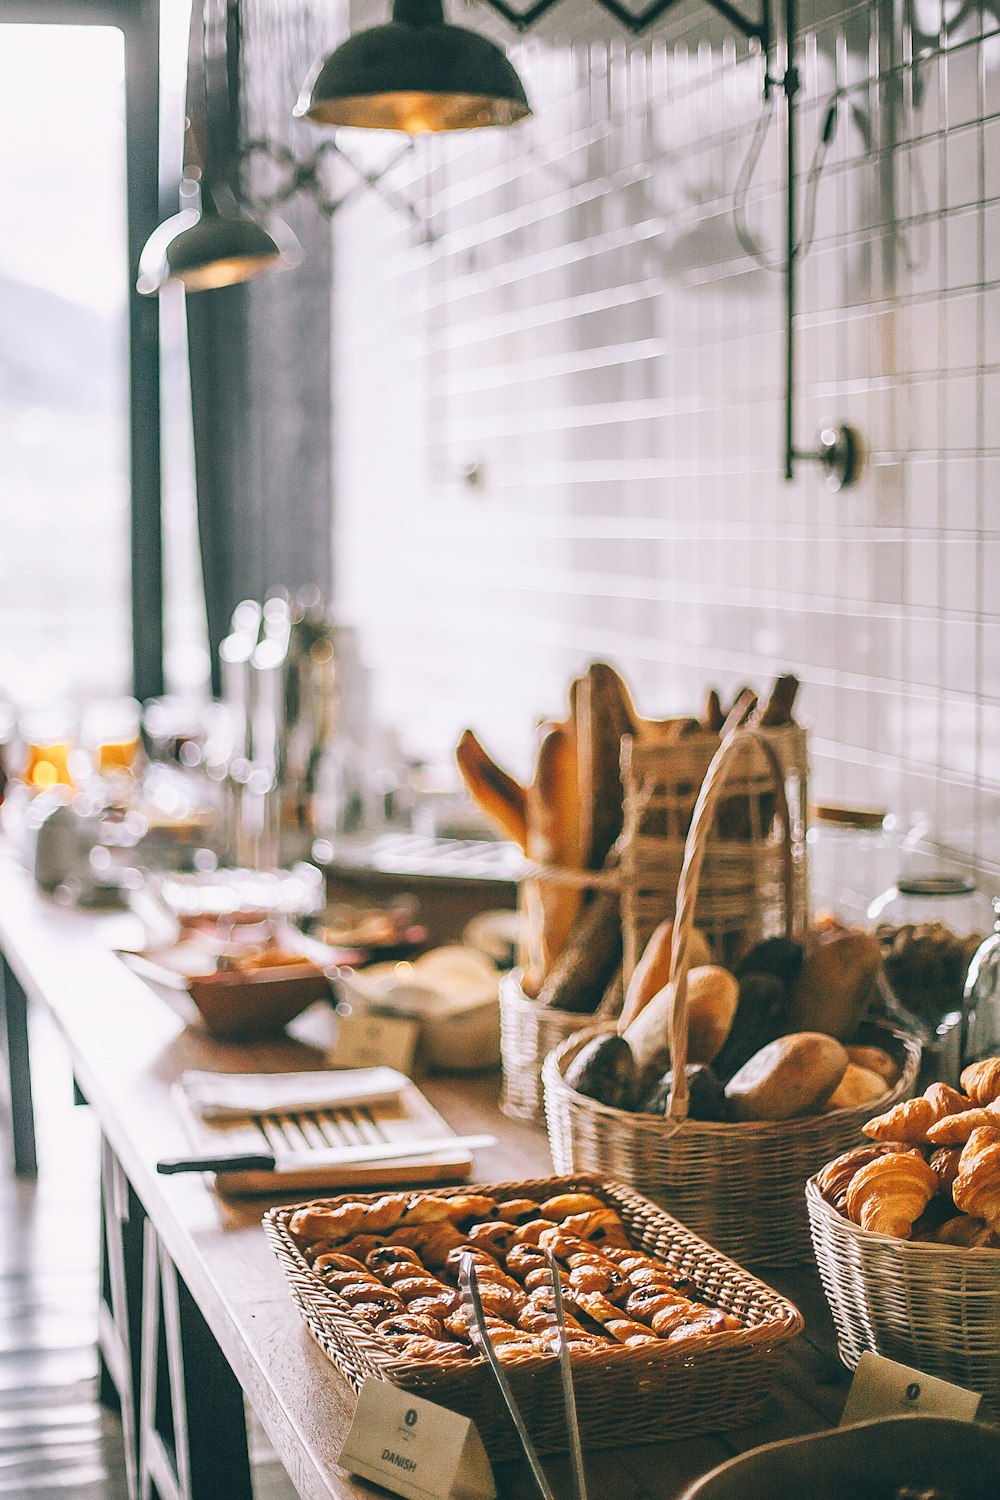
column 741, row 895
column 936, row 1307
column 739, row 1185
column 527, row 1032
column 623, row 1395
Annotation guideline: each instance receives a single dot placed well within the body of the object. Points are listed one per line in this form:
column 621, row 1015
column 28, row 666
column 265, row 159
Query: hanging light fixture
column 212, row 242
column 415, row 73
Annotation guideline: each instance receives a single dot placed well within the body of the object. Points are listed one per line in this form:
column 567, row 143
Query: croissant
column 911, row 1120
column 981, row 1080
column 971, row 1233
column 954, row 1130
column 944, row 1161
column 976, row 1189
column 837, row 1176
column 890, row 1193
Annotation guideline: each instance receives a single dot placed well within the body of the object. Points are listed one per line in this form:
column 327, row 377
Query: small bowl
column 242, row 1006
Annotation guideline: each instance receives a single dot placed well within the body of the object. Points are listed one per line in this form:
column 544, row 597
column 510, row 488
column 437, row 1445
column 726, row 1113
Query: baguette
column 553, row 838
column 603, row 713
column 502, row 799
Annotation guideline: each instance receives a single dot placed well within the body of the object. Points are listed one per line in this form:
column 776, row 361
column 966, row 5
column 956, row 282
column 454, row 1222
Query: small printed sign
column 366, row 1039
column 416, row 1448
column 883, row 1388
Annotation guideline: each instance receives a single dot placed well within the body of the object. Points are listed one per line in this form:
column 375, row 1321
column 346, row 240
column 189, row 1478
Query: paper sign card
column 882, row 1388
column 368, row 1040
column 416, row 1448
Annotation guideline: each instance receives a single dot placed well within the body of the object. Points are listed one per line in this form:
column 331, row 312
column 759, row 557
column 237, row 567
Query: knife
column 330, row 1156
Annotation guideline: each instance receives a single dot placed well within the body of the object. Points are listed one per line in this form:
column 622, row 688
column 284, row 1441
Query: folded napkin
column 219, row 1096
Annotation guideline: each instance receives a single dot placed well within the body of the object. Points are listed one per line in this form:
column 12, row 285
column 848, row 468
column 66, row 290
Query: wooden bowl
column 244, row 1006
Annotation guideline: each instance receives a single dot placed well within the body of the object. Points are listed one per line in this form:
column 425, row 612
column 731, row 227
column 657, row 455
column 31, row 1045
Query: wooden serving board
column 403, row 1119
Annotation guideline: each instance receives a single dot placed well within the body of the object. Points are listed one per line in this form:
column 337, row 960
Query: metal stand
column 14, row 1003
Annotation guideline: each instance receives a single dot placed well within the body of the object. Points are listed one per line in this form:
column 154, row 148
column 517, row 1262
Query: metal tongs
column 469, row 1285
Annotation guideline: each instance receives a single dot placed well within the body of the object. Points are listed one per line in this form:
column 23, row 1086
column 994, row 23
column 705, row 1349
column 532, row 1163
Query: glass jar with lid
column 929, row 927
column 852, row 855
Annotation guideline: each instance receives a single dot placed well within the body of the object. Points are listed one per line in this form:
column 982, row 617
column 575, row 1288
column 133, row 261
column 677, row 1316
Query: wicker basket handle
column 712, row 787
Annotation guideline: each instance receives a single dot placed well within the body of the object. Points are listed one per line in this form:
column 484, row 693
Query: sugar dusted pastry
column 981, row 1081
column 889, row 1194
column 976, row 1189
column 911, row 1120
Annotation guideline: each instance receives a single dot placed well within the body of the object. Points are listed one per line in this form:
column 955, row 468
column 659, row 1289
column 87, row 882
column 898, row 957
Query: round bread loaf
column 794, row 1075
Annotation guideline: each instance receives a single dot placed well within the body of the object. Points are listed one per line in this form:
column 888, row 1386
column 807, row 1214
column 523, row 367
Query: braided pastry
column 362, row 1245
column 433, row 1242
column 435, row 1304
column 331, row 1261
column 384, row 1213
column 981, row 1080
column 890, row 1193
column 709, row 1320
column 976, row 1189
column 524, row 1258
column 622, row 1330
column 426, row 1210
column 911, row 1120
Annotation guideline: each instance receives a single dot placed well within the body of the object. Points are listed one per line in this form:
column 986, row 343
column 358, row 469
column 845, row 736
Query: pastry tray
column 624, row 1395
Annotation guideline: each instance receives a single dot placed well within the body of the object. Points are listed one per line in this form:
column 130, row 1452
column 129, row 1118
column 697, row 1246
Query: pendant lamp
column 212, row 242
column 415, row 73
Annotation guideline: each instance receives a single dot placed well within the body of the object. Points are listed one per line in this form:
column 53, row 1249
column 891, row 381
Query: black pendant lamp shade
column 216, row 245
column 413, row 74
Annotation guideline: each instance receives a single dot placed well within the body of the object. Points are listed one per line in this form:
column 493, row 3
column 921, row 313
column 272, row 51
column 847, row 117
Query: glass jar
column 981, row 1008
column 929, row 927
column 852, row 854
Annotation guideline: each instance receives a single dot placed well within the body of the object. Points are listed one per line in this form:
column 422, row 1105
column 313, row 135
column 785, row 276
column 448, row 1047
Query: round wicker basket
column 738, row 1185
column 527, row 1032
column 936, row 1307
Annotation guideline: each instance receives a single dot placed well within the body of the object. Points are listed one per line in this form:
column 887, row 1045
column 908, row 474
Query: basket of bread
column 603, row 823
column 667, row 1337
column 720, row 1091
column 906, row 1230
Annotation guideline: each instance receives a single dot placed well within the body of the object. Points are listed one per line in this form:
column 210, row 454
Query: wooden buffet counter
column 194, row 1306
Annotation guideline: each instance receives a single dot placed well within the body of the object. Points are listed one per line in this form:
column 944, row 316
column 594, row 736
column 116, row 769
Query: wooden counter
column 128, row 1045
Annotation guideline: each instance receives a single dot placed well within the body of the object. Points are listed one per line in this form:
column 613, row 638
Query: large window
column 64, row 493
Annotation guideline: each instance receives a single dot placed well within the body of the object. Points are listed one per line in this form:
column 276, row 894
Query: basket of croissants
column 724, row 1094
column 906, row 1230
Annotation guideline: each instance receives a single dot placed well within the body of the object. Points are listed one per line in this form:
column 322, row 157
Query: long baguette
column 553, row 838
column 604, row 713
column 502, row 799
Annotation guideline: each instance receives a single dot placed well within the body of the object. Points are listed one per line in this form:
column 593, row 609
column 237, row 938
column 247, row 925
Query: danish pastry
column 407, row 1324
column 564, row 1204
column 517, row 1210
column 496, row 1237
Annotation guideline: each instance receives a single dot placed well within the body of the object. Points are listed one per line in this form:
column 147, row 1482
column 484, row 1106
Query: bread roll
column 858, row 1086
column 652, row 971
column 833, row 987
column 794, row 1075
column 712, row 994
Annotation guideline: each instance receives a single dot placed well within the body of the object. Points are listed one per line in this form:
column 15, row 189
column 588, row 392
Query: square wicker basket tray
column 638, row 1395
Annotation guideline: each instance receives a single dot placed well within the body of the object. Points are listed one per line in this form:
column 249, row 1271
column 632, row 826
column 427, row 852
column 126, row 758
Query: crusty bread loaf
column 794, row 1075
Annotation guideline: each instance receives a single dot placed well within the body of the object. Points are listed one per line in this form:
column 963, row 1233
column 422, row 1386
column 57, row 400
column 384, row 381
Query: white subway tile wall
column 558, row 421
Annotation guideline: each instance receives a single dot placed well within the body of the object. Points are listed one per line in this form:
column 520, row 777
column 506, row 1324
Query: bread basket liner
column 936, row 1307
column 624, row 1395
column 739, row 1185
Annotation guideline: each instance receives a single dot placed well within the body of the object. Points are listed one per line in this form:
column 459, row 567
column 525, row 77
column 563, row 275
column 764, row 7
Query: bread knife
column 327, row 1156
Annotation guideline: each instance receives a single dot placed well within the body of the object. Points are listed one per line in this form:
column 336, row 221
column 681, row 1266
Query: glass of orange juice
column 111, row 734
column 49, row 737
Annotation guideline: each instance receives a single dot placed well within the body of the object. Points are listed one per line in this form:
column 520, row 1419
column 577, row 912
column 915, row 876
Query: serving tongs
column 472, row 1301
